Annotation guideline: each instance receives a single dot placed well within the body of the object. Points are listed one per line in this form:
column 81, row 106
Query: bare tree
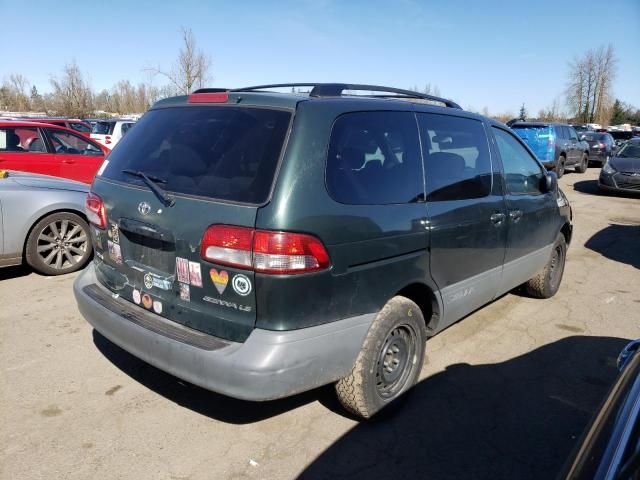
column 191, row 69
column 71, row 94
column 15, row 93
column 590, row 82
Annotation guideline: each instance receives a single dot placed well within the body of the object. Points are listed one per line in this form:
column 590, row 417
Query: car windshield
column 80, row 127
column 103, row 128
column 226, row 153
column 630, row 150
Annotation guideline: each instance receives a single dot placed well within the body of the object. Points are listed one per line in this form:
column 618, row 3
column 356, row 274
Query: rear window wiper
column 152, row 182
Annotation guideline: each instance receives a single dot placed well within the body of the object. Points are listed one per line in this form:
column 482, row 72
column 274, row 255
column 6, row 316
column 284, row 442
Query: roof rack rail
column 337, row 89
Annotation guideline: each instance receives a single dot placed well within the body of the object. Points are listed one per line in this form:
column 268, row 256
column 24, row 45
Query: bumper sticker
column 241, row 284
column 114, row 252
column 219, row 279
column 184, row 292
column 136, row 296
column 157, row 307
column 195, row 274
column 148, row 281
column 146, row 301
column 182, row 269
column 114, row 233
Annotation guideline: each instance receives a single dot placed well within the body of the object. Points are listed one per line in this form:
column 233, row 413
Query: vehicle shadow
column 516, row 419
column 15, row 272
column 617, row 242
column 587, row 186
column 204, row 402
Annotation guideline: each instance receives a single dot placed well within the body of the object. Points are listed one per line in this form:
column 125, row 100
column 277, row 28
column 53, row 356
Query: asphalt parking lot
column 505, row 393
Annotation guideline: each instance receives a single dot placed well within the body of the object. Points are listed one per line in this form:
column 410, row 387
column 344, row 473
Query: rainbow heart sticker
column 219, row 279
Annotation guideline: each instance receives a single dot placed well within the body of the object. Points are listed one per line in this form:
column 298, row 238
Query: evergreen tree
column 618, row 114
column 523, row 113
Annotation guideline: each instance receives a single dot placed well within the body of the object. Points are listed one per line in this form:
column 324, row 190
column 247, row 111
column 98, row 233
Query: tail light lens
column 94, row 209
column 602, row 145
column 264, row 251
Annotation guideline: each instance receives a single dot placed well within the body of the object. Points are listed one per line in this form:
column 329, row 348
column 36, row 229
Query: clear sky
column 494, row 54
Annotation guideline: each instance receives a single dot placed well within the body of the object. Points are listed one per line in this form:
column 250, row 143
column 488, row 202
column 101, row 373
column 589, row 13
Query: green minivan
column 260, row 243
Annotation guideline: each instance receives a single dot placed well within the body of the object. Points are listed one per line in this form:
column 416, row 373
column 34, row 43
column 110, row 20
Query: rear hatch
column 102, row 133
column 217, row 164
column 594, row 140
column 539, row 138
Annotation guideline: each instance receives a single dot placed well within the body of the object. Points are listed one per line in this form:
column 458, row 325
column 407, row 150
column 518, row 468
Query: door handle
column 515, row 215
column 68, row 160
column 497, row 218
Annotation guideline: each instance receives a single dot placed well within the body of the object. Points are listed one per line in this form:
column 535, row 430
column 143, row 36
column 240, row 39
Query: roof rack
column 337, row 89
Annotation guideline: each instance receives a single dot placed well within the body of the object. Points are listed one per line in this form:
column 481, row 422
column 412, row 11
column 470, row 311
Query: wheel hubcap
column 395, row 362
column 62, row 244
column 555, row 267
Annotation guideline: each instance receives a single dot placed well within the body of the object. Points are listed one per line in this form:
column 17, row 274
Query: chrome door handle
column 497, row 218
column 515, row 215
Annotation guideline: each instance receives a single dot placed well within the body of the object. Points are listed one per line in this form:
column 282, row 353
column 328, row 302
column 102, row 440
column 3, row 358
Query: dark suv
column 556, row 145
column 260, row 244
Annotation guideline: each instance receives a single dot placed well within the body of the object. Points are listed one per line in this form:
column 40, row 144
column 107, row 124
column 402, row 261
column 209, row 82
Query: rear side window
column 21, row 139
column 374, row 159
column 103, row 128
column 456, row 157
column 69, row 144
column 226, row 153
column 523, row 175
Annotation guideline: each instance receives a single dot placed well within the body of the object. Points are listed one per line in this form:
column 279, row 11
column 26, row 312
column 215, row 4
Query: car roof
column 538, row 124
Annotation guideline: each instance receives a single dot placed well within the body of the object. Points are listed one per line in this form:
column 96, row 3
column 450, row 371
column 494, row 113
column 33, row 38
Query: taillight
column 209, row 97
column 602, row 145
column 94, row 209
column 264, row 251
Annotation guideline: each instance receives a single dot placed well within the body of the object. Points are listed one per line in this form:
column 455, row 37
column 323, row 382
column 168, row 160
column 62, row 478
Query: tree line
column 72, row 95
column 588, row 96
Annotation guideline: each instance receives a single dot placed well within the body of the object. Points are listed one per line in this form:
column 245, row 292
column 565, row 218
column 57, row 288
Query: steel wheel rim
column 395, row 361
column 62, row 244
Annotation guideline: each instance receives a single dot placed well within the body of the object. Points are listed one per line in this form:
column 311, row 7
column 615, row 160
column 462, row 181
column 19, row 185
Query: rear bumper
column 598, row 157
column 268, row 365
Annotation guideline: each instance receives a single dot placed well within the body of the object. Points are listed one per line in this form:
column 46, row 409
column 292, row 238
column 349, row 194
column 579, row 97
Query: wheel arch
column 567, row 231
column 427, row 300
column 34, row 222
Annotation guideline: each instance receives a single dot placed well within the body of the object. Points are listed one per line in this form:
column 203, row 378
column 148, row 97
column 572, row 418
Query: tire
column 560, row 166
column 583, row 165
column 389, row 362
column 59, row 243
column 547, row 282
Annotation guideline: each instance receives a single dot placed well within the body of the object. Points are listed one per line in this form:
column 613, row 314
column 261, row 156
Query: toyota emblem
column 144, row 208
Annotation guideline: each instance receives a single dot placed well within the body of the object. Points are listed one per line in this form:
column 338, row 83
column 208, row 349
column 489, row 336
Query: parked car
column 611, row 446
column 556, row 145
column 75, row 124
column 109, row 132
column 583, row 128
column 41, row 148
column 260, row 244
column 622, row 172
column 620, row 136
column 601, row 147
column 42, row 222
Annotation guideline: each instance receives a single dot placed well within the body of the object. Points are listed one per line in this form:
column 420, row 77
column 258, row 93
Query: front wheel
column 547, row 282
column 389, row 362
column 584, row 163
column 59, row 243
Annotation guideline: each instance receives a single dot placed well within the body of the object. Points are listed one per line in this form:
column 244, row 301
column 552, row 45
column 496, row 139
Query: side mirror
column 550, row 182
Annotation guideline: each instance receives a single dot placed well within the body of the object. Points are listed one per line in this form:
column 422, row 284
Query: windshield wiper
column 152, row 182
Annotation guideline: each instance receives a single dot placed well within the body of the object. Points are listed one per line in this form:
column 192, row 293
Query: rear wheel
column 390, row 360
column 560, row 166
column 584, row 163
column 59, row 243
column 547, row 282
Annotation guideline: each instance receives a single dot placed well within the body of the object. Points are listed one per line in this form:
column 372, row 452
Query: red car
column 50, row 150
column 76, row 124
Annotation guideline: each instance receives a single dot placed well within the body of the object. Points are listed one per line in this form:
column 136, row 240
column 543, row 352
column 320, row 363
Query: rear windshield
column 539, row 138
column 226, row 153
column 80, row 127
column 594, row 137
column 103, row 128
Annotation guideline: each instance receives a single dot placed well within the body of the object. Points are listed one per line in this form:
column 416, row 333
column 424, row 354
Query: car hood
column 625, row 164
column 44, row 181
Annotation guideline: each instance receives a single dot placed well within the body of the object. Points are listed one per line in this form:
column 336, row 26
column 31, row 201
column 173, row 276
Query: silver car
column 42, row 222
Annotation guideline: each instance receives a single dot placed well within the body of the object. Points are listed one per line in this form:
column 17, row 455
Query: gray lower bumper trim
column 268, row 365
